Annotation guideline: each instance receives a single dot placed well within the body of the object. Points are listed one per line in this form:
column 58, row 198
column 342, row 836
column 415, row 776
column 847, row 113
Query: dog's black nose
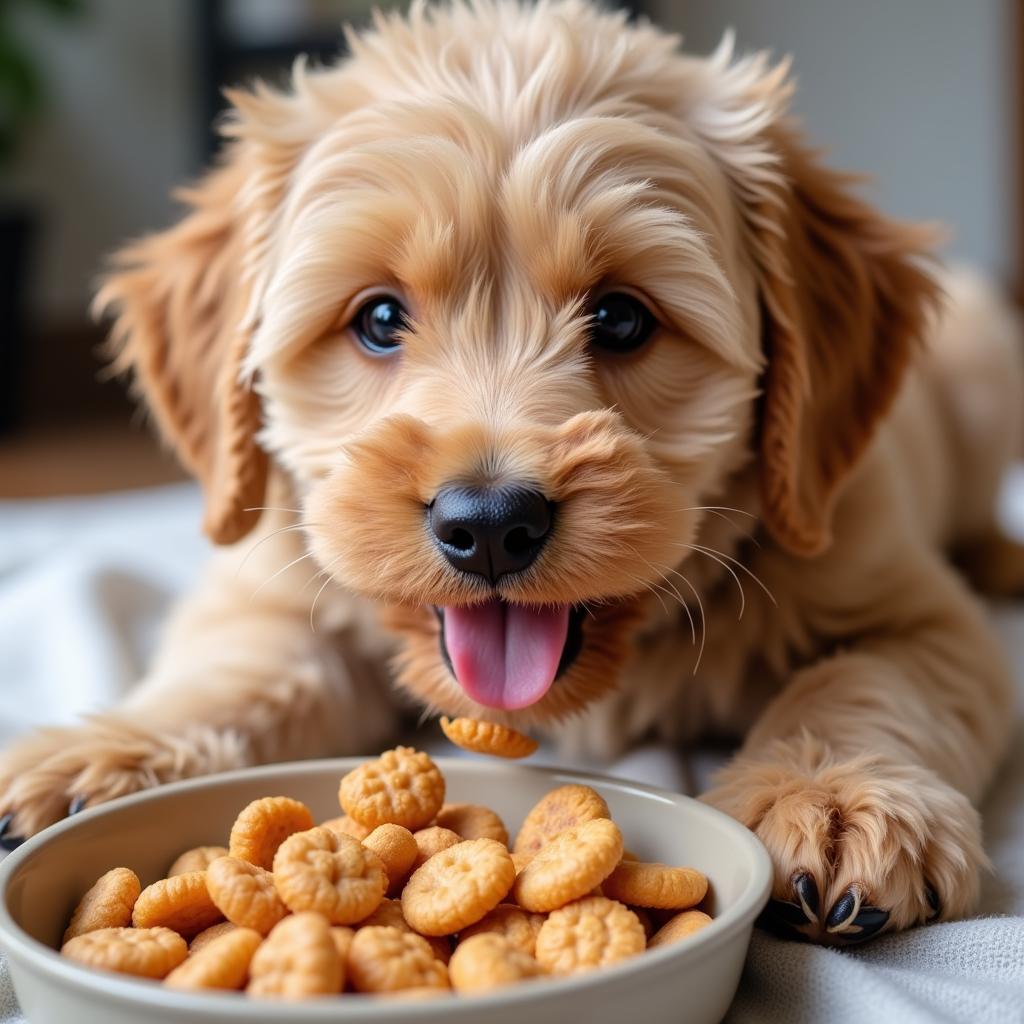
column 490, row 530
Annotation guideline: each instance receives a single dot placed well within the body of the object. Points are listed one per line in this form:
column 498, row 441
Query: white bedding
column 100, row 572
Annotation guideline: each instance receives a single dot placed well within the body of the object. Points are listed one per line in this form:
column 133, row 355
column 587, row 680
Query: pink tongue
column 505, row 655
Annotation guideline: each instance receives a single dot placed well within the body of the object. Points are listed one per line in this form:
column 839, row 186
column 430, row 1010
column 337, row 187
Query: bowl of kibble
column 396, row 888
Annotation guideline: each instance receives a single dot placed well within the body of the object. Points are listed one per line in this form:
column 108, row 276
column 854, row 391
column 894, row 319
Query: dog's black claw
column 868, row 923
column 806, row 890
column 7, row 842
column 933, row 901
column 783, row 919
column 76, row 805
column 844, row 910
column 786, row 912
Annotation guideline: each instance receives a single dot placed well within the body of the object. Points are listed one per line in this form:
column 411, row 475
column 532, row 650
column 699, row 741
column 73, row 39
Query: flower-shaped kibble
column 330, row 873
column 589, row 933
column 556, row 811
column 401, row 787
column 488, row 961
column 569, row 866
column 108, row 904
column 221, row 963
column 144, row 952
column 383, row 959
column 264, row 825
column 298, row 958
column 181, row 903
column 457, row 887
column 487, row 738
column 245, row 894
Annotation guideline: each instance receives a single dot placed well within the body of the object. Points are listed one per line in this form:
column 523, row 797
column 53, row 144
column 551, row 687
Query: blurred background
column 106, row 105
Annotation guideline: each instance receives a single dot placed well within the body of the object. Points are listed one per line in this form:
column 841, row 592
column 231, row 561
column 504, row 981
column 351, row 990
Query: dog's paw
column 860, row 847
column 56, row 772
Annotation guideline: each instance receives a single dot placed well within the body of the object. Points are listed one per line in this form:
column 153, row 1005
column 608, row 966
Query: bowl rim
column 44, row 960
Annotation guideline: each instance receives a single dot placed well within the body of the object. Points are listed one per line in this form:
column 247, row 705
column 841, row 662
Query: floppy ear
column 180, row 302
column 845, row 297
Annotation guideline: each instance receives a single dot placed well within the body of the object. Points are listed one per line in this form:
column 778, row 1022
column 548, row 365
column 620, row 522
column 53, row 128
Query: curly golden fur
column 801, row 442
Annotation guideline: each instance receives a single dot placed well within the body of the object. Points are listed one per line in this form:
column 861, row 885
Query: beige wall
column 909, row 90
column 913, row 91
column 118, row 135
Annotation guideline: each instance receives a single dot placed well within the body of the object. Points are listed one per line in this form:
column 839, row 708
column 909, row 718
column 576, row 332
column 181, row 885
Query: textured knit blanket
column 99, row 573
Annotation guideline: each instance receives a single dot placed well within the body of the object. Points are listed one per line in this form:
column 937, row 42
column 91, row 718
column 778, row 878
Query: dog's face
column 507, row 284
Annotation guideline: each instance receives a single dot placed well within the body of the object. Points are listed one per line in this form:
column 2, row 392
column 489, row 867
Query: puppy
column 526, row 359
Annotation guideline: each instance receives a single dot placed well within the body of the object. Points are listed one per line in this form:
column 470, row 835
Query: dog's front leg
column 240, row 678
column 862, row 775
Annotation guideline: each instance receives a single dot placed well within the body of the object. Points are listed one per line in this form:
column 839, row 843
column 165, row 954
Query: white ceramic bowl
column 693, row 981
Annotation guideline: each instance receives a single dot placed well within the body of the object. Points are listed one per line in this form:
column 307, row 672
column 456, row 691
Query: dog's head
column 510, row 294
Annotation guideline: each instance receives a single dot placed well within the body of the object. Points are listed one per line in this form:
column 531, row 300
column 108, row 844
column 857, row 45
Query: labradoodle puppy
column 543, row 368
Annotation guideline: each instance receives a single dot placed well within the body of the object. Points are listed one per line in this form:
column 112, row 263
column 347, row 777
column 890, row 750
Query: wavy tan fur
column 498, row 166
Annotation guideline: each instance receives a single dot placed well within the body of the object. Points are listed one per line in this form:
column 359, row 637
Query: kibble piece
column 487, row 738
column 264, row 825
column 679, row 927
column 221, row 963
column 245, row 894
column 298, row 958
column 107, row 904
column 342, row 938
column 207, row 935
column 518, row 926
column 414, row 995
column 348, row 825
column 646, row 921
column 199, row 858
column 656, row 885
column 521, row 859
column 396, row 848
column 457, row 887
column 433, row 840
column 471, row 821
column 389, row 915
column 144, row 952
column 568, row 867
column 181, row 903
column 388, row 960
column 488, row 961
column 403, row 787
column 562, row 808
column 589, row 933
column 330, row 873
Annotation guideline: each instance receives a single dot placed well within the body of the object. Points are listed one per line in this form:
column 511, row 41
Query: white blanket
column 84, row 584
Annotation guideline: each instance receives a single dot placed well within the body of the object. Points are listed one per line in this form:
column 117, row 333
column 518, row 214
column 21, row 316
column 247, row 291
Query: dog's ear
column 180, row 300
column 844, row 296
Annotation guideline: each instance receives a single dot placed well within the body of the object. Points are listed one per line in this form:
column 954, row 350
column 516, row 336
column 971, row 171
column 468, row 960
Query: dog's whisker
column 263, row 540
column 284, row 568
column 689, row 614
column 650, row 587
column 729, row 569
column 703, row 620
column 325, row 571
column 718, row 508
column 272, row 508
column 679, row 598
column 739, row 565
column 720, row 514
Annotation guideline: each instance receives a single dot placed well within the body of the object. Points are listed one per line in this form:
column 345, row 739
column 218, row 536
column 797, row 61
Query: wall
column 915, row 92
column 912, row 91
column 118, row 135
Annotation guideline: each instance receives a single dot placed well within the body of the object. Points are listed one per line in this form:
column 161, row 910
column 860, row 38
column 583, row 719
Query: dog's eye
column 378, row 323
column 621, row 323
